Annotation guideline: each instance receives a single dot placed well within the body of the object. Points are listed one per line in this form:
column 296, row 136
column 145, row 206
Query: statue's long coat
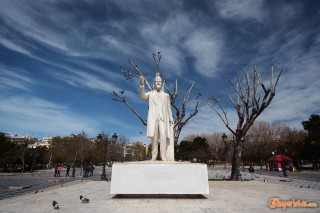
column 167, row 118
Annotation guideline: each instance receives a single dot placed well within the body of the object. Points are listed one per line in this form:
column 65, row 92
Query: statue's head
column 158, row 82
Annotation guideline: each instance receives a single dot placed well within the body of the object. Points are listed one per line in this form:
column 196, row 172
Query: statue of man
column 160, row 122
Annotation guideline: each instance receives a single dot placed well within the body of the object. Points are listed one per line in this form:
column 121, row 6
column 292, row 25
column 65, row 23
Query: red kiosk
column 274, row 162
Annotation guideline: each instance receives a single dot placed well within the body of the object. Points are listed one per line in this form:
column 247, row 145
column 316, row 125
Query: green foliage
column 197, row 150
column 7, row 151
column 184, row 150
column 312, row 143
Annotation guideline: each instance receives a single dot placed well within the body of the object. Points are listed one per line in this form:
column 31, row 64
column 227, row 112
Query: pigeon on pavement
column 55, row 205
column 84, row 199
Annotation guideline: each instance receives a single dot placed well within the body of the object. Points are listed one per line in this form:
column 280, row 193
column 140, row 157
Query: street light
column 224, row 139
column 106, row 141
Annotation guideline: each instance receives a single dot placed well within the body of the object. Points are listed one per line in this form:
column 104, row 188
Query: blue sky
column 60, row 59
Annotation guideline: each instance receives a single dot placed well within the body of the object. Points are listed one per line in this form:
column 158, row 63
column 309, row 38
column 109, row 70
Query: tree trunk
column 176, row 136
column 236, row 161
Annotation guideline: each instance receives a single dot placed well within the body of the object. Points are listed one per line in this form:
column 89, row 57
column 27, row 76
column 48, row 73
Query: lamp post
column 224, row 139
column 106, row 141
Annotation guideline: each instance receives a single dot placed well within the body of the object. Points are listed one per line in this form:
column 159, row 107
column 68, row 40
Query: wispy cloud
column 206, row 47
column 28, row 114
column 83, row 79
column 13, row 46
column 241, row 10
column 13, row 78
column 209, row 122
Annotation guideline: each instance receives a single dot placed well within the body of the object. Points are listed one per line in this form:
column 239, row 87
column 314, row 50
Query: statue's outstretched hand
column 142, row 81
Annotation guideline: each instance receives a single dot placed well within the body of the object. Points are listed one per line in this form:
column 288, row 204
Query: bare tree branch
column 238, row 92
column 235, row 106
column 127, row 74
column 123, row 100
column 140, row 73
column 157, row 61
column 185, row 100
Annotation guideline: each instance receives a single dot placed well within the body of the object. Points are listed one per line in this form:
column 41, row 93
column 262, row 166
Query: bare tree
column 252, row 99
column 261, row 140
column 139, row 152
column 181, row 117
column 83, row 149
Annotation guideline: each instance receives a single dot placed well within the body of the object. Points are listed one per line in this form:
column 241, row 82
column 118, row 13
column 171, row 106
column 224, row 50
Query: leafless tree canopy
column 252, row 98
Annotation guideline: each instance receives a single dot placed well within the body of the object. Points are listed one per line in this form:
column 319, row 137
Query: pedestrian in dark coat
column 68, row 170
column 251, row 170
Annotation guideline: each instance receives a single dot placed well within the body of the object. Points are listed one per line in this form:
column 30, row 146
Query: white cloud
column 241, row 10
column 177, row 39
column 12, row 78
column 83, row 79
column 29, row 21
column 207, row 121
column 78, row 78
column 14, row 47
column 167, row 36
column 28, row 114
column 206, row 46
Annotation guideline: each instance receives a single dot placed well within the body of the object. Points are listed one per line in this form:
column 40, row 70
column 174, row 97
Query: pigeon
column 122, row 91
column 36, row 192
column 55, row 205
column 265, row 180
column 84, row 199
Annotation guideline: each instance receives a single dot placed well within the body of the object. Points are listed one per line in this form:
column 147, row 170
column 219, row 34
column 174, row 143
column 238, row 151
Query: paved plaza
column 224, row 196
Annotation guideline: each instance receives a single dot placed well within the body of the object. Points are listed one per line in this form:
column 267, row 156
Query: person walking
column 67, row 171
column 56, row 171
column 59, row 170
column 284, row 169
column 251, row 170
column 91, row 169
column 73, row 171
column 86, row 169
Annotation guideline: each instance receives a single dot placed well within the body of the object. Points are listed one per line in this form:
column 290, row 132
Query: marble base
column 159, row 177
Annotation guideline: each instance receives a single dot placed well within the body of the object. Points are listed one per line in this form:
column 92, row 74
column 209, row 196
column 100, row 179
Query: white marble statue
column 160, row 122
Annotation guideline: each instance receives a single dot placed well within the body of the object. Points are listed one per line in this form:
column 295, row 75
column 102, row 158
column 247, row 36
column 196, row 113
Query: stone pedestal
column 159, row 177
